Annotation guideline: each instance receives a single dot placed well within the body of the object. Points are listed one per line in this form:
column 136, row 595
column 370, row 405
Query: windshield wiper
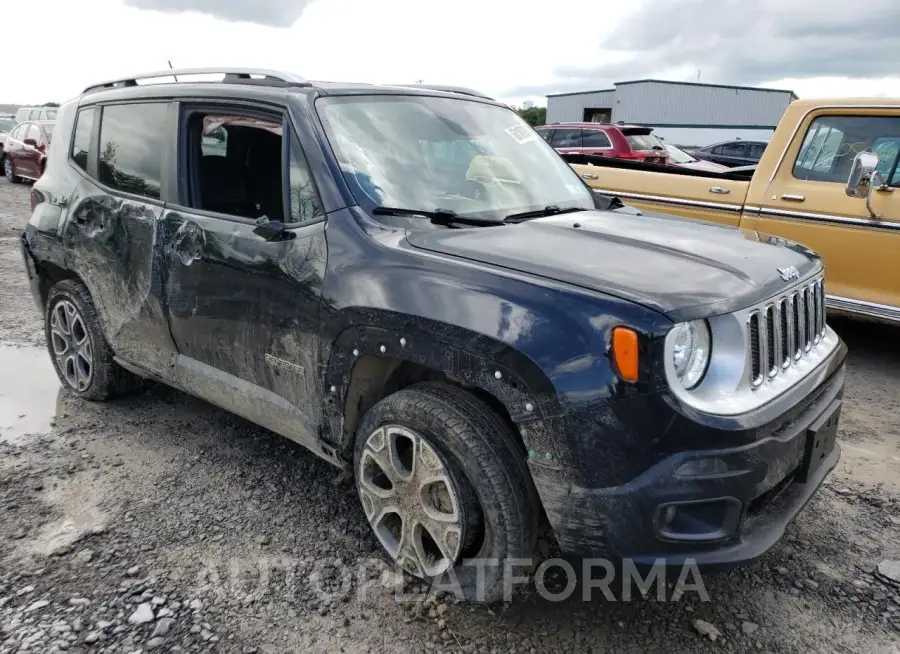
column 549, row 210
column 437, row 216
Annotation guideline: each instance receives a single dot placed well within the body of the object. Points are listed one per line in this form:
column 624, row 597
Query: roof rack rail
column 234, row 75
column 462, row 90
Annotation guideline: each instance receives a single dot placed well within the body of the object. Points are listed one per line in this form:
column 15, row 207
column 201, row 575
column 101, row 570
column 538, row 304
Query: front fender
column 548, row 341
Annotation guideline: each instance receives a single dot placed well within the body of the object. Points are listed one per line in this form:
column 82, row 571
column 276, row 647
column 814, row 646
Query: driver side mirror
column 30, row 142
column 861, row 174
column 865, row 179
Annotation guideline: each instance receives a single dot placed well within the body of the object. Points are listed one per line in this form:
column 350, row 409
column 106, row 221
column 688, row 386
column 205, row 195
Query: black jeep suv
column 412, row 284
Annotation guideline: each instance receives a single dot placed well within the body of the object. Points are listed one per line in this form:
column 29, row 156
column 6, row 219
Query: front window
column 832, row 143
column 428, row 153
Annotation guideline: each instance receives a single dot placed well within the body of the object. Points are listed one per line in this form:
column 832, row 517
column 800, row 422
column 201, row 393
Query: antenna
column 171, row 67
column 698, row 74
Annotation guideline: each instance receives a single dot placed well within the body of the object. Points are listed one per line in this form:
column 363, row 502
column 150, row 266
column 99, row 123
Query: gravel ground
column 160, row 523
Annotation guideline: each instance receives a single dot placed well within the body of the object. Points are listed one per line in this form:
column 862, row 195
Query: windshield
column 428, row 153
column 679, row 156
column 6, row 124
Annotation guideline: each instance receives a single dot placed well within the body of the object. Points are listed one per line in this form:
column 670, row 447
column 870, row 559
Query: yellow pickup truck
column 827, row 180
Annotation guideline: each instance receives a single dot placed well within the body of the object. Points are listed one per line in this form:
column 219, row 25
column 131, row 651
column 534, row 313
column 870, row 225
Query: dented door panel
column 247, row 307
column 110, row 243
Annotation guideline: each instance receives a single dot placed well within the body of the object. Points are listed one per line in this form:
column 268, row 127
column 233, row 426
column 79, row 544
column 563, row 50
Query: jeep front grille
column 783, row 330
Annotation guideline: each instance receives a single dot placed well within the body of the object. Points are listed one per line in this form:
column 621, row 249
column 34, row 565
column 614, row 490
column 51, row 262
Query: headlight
column 690, row 351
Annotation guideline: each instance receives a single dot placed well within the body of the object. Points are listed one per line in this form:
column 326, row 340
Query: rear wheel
column 443, row 485
column 9, row 171
column 81, row 356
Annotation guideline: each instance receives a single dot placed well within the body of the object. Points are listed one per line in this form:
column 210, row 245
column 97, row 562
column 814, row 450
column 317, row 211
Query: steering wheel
column 469, row 188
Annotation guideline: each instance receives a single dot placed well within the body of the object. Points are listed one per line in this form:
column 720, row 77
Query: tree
column 50, row 104
column 533, row 115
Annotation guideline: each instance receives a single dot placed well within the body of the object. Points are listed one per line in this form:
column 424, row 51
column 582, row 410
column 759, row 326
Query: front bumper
column 753, row 492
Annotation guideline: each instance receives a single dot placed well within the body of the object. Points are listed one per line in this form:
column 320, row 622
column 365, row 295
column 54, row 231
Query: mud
column 220, row 528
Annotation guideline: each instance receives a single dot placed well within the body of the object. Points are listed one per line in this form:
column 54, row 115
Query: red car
column 26, row 150
column 615, row 141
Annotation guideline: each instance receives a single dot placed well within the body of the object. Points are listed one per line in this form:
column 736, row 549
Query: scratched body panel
column 247, row 307
column 112, row 245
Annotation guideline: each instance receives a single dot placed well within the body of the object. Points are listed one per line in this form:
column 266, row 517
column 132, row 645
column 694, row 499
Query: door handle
column 793, row 197
column 718, row 190
column 589, row 176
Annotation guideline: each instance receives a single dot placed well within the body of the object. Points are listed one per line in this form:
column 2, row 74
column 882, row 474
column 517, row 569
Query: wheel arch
column 368, row 362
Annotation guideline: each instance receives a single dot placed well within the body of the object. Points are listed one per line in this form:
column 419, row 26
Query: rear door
column 244, row 310
column 701, row 198
column 806, row 202
column 732, row 154
column 111, row 224
column 29, row 157
column 596, row 142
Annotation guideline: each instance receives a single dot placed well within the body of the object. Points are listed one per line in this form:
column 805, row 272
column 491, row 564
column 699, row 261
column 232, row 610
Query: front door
column 244, row 310
column 807, row 202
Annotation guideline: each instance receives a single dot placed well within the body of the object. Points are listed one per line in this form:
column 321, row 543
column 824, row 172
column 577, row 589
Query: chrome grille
column 784, row 330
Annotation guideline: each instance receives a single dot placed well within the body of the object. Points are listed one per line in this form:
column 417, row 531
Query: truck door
column 807, row 202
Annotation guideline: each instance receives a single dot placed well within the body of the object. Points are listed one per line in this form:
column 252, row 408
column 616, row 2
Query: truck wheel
column 443, row 485
column 81, row 356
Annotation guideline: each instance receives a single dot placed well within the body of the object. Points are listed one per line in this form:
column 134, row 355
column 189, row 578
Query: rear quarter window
column 81, row 140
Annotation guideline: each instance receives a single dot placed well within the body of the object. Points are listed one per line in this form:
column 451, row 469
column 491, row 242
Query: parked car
column 25, row 150
column 415, row 286
column 732, row 153
column 680, row 158
column 615, row 141
column 6, row 125
column 828, row 180
column 35, row 113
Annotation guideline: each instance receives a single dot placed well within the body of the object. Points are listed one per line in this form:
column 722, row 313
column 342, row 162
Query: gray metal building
column 685, row 113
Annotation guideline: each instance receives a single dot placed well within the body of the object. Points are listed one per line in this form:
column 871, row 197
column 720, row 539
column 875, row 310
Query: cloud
column 274, row 13
column 741, row 42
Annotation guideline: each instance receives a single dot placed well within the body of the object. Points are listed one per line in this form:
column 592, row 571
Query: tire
column 81, row 356
column 9, row 171
column 474, row 455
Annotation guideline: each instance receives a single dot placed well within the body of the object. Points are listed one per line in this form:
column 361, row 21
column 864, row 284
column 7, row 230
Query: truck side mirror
column 865, row 179
column 864, row 165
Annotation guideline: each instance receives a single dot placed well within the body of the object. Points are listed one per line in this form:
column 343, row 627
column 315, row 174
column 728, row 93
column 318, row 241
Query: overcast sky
column 514, row 50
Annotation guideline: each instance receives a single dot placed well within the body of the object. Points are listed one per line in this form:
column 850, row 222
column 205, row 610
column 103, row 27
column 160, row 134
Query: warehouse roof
column 664, row 81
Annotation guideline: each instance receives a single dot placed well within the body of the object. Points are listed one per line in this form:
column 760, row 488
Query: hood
column 682, row 268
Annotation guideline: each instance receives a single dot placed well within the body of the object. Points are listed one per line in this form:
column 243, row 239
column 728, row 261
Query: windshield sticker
column 521, row 134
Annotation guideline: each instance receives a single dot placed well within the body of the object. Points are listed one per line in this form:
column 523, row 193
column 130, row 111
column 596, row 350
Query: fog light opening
column 699, row 520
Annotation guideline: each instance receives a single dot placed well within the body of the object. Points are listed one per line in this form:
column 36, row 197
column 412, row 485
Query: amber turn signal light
column 625, row 353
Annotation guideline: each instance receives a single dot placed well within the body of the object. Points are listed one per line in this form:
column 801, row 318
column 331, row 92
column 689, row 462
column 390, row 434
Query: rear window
column 642, row 141
column 595, row 138
column 131, row 147
column 81, row 143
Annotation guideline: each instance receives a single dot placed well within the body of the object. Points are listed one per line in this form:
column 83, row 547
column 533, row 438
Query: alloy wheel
column 71, row 345
column 8, row 169
column 410, row 500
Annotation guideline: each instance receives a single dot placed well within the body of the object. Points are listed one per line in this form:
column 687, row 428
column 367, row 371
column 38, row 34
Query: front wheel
column 81, row 355
column 9, row 171
column 445, row 488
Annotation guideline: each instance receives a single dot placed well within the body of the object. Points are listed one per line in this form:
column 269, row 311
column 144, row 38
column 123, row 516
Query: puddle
column 29, row 389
